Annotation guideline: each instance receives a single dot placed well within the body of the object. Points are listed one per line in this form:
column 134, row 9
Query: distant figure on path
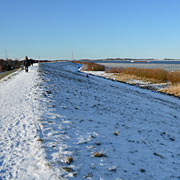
column 26, row 64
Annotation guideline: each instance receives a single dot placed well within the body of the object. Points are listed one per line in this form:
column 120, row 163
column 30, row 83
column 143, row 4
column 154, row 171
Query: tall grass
column 91, row 66
column 115, row 70
column 159, row 75
column 173, row 90
column 174, row 77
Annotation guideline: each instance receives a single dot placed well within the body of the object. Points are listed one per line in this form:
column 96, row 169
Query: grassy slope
column 4, row 74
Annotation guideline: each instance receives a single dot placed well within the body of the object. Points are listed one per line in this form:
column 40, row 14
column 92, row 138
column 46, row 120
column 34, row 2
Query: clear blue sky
column 93, row 28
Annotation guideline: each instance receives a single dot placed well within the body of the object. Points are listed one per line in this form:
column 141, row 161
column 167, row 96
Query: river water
column 167, row 65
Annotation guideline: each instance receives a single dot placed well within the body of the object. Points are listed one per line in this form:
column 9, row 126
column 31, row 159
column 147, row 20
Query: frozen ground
column 57, row 119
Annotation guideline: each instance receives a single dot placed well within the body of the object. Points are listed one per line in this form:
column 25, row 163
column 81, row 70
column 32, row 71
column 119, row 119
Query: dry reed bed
column 154, row 75
column 157, row 75
column 91, row 66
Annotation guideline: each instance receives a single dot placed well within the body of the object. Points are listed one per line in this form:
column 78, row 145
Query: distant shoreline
column 129, row 59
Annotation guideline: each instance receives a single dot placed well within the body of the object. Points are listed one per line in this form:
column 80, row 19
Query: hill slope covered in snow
column 55, row 122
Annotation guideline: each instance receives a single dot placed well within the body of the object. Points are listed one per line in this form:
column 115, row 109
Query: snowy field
column 54, row 122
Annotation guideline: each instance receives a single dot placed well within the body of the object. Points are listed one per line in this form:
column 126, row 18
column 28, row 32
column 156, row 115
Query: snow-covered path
column 21, row 155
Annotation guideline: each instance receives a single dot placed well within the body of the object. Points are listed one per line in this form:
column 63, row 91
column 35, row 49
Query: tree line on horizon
column 10, row 64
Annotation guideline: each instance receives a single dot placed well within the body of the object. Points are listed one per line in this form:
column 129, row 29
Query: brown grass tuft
column 99, row 154
column 69, row 160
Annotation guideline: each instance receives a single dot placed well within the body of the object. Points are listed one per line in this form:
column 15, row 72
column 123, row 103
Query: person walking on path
column 26, row 64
